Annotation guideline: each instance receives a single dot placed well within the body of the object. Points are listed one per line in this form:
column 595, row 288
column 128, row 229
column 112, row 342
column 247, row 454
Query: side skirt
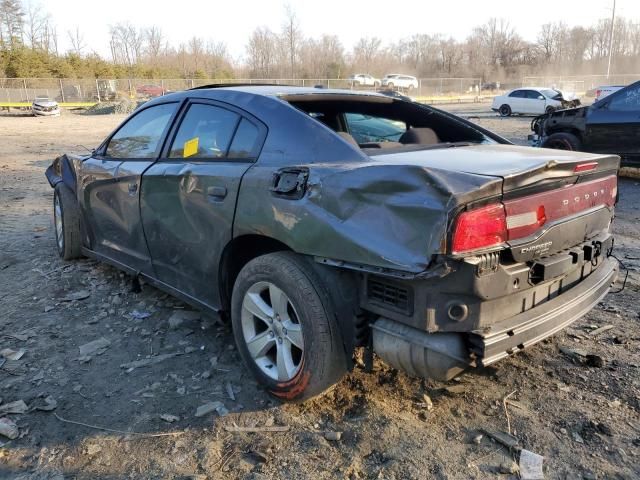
column 160, row 285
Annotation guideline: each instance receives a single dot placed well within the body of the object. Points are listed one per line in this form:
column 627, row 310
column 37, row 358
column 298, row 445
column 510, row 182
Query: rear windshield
column 389, row 124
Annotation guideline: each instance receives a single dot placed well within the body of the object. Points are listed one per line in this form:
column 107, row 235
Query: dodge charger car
column 611, row 125
column 430, row 241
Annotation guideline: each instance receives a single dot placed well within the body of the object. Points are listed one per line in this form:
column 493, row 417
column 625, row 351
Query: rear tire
column 562, row 141
column 505, row 110
column 66, row 218
column 285, row 327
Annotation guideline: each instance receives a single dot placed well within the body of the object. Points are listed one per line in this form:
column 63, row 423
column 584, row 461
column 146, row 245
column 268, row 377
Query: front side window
column 534, row 95
column 367, row 128
column 205, row 132
column 140, row 136
column 626, row 101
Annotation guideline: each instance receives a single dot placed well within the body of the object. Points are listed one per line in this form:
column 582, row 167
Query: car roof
column 276, row 91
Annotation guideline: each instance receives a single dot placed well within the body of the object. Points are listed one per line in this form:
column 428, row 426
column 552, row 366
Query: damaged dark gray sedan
column 323, row 220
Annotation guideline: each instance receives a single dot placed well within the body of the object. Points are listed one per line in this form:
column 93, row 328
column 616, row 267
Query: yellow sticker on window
column 190, row 147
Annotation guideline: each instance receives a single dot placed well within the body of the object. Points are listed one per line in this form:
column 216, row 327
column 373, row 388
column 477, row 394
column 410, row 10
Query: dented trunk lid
column 518, row 166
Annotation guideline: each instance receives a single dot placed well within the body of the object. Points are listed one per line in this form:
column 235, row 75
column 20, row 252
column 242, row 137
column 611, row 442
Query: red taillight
column 519, row 218
column 480, row 228
column 585, row 167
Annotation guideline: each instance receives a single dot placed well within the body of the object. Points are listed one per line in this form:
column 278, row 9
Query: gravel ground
column 89, row 413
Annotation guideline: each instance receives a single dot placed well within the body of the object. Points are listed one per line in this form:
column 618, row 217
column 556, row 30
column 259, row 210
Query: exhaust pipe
column 438, row 356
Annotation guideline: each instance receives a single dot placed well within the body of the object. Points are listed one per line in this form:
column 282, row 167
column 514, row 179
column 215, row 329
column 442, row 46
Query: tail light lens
column 519, row 218
column 480, row 228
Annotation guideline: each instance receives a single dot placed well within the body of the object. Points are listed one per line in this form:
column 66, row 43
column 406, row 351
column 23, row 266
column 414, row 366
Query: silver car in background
column 45, row 107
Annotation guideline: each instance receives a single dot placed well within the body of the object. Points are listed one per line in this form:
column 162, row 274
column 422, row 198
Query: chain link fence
column 14, row 90
column 583, row 85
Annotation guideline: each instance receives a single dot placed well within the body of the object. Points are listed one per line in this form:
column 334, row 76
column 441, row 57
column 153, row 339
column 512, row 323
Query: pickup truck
column 320, row 221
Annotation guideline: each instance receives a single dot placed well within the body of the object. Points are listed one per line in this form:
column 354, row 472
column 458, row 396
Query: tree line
column 29, row 47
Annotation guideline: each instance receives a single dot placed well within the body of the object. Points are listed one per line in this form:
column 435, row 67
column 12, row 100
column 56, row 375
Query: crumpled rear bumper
column 530, row 327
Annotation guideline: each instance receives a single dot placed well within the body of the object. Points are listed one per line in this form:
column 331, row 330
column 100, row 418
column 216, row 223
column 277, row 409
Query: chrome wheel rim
column 57, row 214
column 272, row 331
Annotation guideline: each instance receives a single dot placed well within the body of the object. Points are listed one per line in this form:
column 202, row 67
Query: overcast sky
column 232, row 21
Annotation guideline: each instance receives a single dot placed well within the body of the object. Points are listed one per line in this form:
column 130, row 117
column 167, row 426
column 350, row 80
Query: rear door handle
column 217, row 193
column 133, row 188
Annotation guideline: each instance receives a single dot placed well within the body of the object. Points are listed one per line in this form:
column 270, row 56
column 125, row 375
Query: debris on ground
column 149, row 361
column 333, row 436
column 508, row 468
column 232, row 396
column 598, row 331
column 79, row 295
column 8, row 428
column 477, row 439
column 504, row 438
column 13, row 355
column 530, row 465
column 169, row 418
column 179, row 317
column 139, row 315
column 266, row 428
column 47, row 405
column 14, row 407
column 209, row 407
column 96, row 347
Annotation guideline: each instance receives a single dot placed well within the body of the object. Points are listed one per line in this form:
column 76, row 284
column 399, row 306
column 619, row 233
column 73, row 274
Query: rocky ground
column 100, row 382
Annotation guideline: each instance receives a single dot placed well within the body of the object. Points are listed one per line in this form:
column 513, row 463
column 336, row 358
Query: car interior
column 379, row 124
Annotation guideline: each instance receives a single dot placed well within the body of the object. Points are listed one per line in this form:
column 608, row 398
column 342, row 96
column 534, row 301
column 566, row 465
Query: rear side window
column 626, row 101
column 517, row 94
column 205, row 132
column 245, row 141
column 140, row 136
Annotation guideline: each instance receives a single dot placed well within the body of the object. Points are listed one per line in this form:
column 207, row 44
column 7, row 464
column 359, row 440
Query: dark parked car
column 433, row 242
column 611, row 125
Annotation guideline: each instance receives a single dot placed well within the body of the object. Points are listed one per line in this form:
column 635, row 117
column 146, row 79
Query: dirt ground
column 89, row 413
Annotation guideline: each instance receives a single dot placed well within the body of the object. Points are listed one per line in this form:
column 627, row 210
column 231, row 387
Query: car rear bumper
column 530, row 327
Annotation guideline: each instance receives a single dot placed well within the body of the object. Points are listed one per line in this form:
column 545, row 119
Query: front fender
column 62, row 170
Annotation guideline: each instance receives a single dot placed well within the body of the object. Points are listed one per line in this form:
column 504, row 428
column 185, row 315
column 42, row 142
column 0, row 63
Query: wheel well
column 237, row 254
column 572, row 131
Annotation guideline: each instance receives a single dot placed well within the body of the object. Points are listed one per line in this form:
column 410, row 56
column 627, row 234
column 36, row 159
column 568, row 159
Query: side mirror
column 541, row 97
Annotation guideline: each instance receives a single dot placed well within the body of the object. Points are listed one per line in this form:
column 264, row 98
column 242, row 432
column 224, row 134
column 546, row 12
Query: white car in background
column 398, row 80
column 364, row 80
column 45, row 107
column 528, row 101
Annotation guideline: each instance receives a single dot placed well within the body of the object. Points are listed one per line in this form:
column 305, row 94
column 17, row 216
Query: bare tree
column 155, row 44
column 11, row 23
column 78, row 43
column 365, row 52
column 261, row 52
column 291, row 38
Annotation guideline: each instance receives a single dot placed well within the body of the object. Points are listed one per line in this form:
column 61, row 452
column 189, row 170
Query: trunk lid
column 518, row 167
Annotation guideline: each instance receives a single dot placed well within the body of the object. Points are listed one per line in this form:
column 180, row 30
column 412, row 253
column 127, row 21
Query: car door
column 614, row 125
column 537, row 102
column 110, row 186
column 516, row 101
column 188, row 197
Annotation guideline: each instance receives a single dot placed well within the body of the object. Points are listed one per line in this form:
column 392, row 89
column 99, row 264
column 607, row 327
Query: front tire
column 66, row 218
column 285, row 327
column 549, row 110
column 562, row 141
column 505, row 110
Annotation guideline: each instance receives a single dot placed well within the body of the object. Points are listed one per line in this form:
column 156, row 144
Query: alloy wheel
column 272, row 331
